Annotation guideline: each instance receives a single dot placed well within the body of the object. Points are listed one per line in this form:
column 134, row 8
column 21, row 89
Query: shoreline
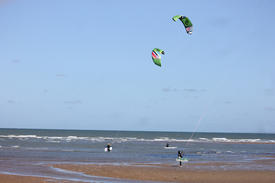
column 10, row 178
column 168, row 173
column 150, row 172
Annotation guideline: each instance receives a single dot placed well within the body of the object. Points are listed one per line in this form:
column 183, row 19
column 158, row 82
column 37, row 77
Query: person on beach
column 180, row 156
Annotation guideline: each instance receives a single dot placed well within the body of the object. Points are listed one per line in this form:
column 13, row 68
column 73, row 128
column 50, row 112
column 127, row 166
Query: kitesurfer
column 108, row 147
column 180, row 156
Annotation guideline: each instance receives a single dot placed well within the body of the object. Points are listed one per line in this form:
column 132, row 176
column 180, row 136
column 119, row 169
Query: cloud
column 225, row 52
column 273, row 82
column 269, row 108
column 221, row 22
column 166, row 89
column 73, row 102
column 269, row 92
column 60, row 75
column 191, row 90
column 15, row 61
column 169, row 90
column 4, row 1
column 143, row 121
column 11, row 101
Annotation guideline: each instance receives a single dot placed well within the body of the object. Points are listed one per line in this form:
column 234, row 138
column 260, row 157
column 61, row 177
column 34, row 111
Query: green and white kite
column 186, row 22
column 156, row 56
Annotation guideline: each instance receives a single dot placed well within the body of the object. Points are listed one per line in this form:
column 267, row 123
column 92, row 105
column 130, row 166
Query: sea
column 29, row 152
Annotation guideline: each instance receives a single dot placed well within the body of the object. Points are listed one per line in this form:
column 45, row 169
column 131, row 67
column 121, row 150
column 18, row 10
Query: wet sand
column 28, row 179
column 173, row 174
column 153, row 172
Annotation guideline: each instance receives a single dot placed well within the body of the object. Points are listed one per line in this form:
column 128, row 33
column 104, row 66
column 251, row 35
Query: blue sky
column 87, row 65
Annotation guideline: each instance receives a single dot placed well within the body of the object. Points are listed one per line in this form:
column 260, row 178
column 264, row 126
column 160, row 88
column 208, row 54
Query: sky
column 87, row 65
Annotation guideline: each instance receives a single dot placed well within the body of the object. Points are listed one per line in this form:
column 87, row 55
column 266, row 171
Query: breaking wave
column 58, row 139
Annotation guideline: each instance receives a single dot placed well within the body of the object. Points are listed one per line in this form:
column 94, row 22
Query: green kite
column 186, row 22
column 156, row 56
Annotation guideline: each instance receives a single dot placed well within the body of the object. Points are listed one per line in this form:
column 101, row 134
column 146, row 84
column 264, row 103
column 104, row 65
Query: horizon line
column 273, row 133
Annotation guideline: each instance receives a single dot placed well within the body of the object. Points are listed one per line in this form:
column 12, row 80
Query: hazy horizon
column 137, row 130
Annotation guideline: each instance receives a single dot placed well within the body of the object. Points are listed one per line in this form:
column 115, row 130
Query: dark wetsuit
column 180, row 156
column 108, row 147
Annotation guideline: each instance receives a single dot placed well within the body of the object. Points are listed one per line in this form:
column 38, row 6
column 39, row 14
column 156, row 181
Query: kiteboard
column 172, row 147
column 182, row 159
column 107, row 149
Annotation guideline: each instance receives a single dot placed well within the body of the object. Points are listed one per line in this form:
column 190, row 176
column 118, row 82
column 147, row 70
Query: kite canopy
column 156, row 56
column 156, row 52
column 186, row 22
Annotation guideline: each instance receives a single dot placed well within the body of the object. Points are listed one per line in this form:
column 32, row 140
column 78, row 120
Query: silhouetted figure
column 109, row 147
column 180, row 155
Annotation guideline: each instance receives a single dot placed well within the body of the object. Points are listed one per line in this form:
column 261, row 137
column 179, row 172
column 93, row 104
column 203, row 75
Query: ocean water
column 28, row 151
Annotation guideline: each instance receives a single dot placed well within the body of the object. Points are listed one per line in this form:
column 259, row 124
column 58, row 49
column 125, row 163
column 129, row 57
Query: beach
column 148, row 172
column 28, row 156
column 4, row 178
column 173, row 174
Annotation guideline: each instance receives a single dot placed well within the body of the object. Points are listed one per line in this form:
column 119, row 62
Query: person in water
column 108, row 147
column 167, row 144
column 180, row 155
